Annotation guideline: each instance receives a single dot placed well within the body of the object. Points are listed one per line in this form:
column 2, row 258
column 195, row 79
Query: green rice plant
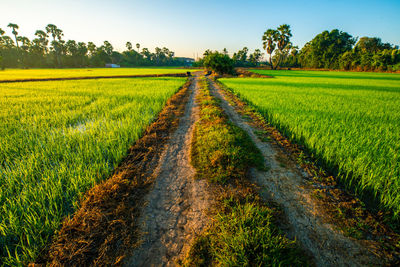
column 15, row 74
column 349, row 121
column 58, row 139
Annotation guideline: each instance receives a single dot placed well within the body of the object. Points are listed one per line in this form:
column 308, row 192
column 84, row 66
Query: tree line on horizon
column 333, row 49
column 49, row 50
column 339, row 50
column 336, row 50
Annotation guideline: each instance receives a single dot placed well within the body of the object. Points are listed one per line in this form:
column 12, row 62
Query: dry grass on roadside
column 103, row 231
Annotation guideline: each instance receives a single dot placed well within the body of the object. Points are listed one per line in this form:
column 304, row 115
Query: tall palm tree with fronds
column 284, row 34
column 54, row 31
column 269, row 39
column 138, row 46
column 14, row 27
column 283, row 40
column 57, row 45
column 129, row 46
column 42, row 37
column 273, row 38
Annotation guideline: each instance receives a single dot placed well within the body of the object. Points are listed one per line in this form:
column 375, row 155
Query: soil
column 284, row 184
column 177, row 205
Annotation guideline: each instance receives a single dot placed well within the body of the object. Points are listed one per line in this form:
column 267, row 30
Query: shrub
column 219, row 63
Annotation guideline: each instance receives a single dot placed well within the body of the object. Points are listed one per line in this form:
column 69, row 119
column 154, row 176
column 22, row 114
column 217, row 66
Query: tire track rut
column 177, row 205
column 284, row 186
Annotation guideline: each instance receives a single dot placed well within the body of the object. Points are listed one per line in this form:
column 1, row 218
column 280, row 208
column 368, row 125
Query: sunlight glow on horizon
column 190, row 27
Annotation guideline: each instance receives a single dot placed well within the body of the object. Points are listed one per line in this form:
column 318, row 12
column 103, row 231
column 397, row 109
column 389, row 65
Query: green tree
column 138, row 47
column 42, row 39
column 219, row 63
column 371, row 45
column 146, row 54
column 277, row 38
column 57, row 43
column 108, row 48
column 129, row 46
column 269, row 39
column 25, row 43
column 55, row 32
column 14, row 27
column 325, row 49
column 283, row 42
column 255, row 57
column 91, row 48
column 1, row 42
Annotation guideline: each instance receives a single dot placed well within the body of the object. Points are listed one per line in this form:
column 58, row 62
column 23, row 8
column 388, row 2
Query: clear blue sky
column 190, row 27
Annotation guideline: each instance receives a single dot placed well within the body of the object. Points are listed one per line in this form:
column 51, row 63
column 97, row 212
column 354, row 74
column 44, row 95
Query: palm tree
column 25, row 43
column 269, row 43
column 283, row 40
column 57, row 45
column 129, row 46
column 1, row 32
column 284, row 35
column 42, row 38
column 15, row 28
column 138, row 46
column 55, row 31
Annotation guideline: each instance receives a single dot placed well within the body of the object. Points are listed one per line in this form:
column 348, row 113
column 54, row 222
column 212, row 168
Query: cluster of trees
column 278, row 41
column 49, row 49
column 241, row 58
column 339, row 50
column 330, row 50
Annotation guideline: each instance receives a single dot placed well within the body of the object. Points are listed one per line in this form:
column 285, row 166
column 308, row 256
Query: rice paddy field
column 350, row 121
column 16, row 74
column 60, row 138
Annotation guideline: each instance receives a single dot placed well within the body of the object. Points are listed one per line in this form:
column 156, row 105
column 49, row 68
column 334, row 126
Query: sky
column 190, row 27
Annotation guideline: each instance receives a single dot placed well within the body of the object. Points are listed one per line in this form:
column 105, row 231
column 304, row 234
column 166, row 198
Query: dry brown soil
column 177, row 205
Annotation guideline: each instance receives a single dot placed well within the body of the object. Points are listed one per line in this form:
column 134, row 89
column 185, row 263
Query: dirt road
column 177, row 205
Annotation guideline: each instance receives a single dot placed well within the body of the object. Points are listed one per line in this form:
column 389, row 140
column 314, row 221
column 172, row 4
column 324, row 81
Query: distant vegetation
column 328, row 50
column 49, row 49
column 332, row 50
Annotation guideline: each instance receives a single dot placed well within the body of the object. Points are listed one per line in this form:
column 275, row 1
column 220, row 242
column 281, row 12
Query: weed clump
column 220, row 150
column 243, row 234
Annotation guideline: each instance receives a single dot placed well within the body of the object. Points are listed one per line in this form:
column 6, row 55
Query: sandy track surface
column 177, row 204
column 284, row 186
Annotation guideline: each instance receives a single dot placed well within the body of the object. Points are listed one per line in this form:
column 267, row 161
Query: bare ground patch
column 176, row 207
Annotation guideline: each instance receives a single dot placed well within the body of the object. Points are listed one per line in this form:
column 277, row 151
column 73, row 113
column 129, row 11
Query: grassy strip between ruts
column 242, row 232
column 339, row 207
column 103, row 231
